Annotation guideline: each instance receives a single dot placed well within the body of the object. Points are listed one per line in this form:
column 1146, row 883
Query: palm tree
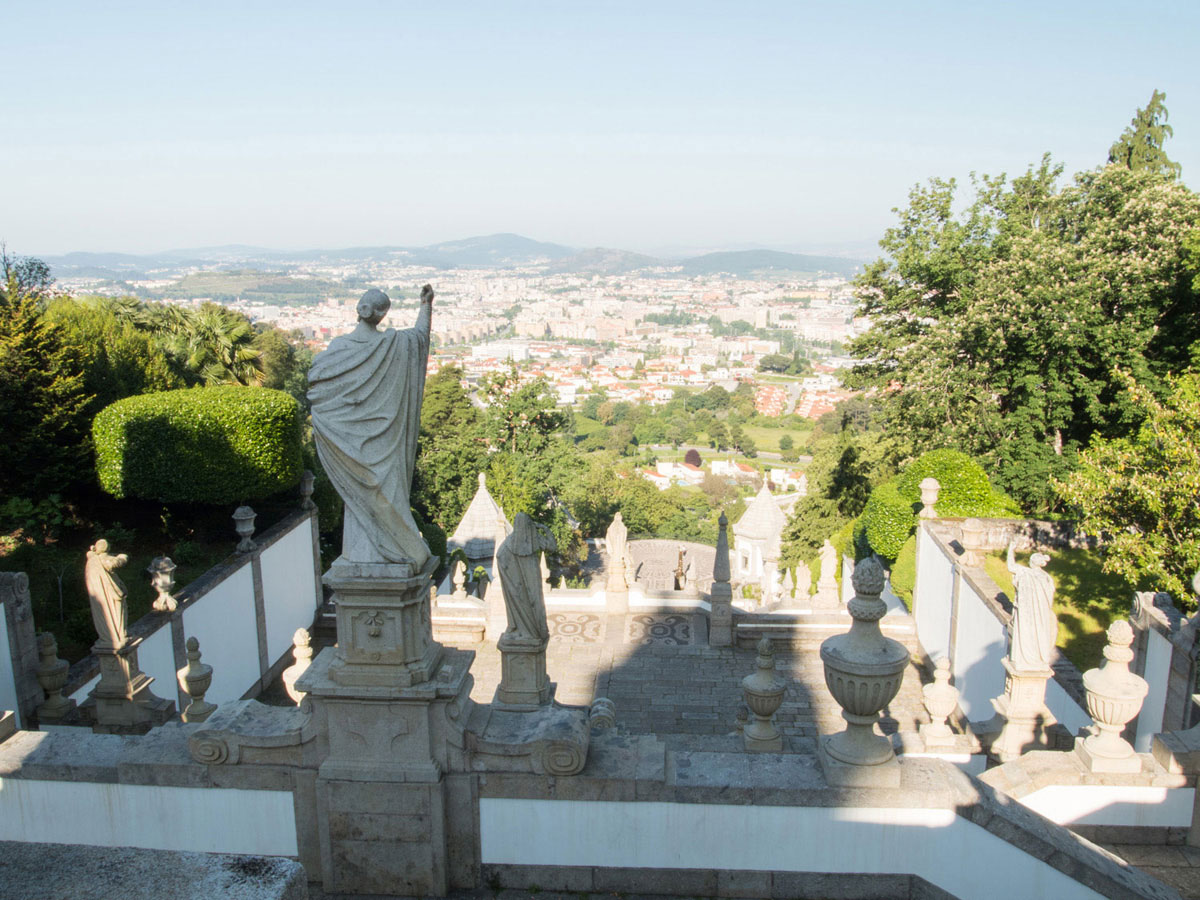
column 214, row 344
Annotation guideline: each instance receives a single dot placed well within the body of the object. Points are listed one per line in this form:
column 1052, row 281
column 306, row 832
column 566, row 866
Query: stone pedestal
column 380, row 789
column 385, row 637
column 1022, row 716
column 122, row 701
column 524, row 684
column 495, row 615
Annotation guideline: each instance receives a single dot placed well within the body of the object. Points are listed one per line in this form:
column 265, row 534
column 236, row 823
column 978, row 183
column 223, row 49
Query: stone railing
column 244, row 612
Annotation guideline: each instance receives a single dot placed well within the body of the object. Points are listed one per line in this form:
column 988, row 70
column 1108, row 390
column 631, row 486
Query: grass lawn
column 1086, row 600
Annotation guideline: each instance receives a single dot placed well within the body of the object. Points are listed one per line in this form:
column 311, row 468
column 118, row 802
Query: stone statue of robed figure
column 1034, row 625
column 366, row 391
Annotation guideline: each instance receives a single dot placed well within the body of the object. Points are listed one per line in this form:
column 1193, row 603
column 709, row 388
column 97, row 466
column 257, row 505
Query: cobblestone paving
column 1177, row 866
column 664, row 679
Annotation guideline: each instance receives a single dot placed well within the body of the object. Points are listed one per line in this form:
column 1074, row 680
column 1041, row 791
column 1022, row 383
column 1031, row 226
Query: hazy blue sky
column 642, row 125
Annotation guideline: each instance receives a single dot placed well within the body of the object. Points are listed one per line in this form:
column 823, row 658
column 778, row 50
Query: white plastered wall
column 205, row 820
column 225, row 624
column 1098, row 804
column 1157, row 672
column 289, row 590
column 8, row 678
column 934, row 844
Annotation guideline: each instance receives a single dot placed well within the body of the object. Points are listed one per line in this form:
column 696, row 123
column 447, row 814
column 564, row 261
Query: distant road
column 803, row 460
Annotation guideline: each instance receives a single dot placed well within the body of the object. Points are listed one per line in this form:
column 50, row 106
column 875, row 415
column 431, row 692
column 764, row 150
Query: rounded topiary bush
column 225, row 444
column 887, row 519
column 965, row 491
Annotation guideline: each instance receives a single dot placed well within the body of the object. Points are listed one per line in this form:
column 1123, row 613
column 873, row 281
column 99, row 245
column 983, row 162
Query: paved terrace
column 664, row 678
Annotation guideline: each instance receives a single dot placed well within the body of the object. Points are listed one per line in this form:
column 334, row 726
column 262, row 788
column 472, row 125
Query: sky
column 649, row 126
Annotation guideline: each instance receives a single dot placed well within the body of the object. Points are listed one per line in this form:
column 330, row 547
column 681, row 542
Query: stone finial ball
column 868, row 577
column 301, row 638
column 1120, row 633
column 193, row 644
column 45, row 640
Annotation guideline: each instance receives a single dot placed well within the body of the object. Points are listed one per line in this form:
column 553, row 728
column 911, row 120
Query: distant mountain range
column 490, row 251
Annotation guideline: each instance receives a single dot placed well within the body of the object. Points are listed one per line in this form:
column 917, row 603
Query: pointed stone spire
column 720, row 621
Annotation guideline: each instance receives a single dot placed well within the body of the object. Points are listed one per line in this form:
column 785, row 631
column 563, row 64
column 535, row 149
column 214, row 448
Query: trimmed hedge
column 887, row 519
column 965, row 491
column 224, row 444
column 891, row 511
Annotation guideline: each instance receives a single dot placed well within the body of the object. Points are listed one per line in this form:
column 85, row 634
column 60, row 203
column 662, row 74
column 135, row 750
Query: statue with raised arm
column 1034, row 625
column 521, row 581
column 106, row 593
column 366, row 391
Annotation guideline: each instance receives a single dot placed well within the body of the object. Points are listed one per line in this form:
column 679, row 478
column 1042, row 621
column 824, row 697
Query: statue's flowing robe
column 521, row 583
column 1034, row 625
column 107, row 595
column 366, row 414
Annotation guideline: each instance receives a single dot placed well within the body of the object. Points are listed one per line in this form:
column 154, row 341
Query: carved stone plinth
column 551, row 740
column 384, row 633
column 122, row 701
column 380, row 787
column 1022, row 716
column 524, row 684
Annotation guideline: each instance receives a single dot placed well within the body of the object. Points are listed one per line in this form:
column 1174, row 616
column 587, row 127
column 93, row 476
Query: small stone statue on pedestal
column 1022, row 717
column 523, row 645
column 122, row 699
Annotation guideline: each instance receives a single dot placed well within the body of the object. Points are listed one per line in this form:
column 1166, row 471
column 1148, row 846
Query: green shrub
column 225, row 444
column 904, row 571
column 887, row 519
column 965, row 491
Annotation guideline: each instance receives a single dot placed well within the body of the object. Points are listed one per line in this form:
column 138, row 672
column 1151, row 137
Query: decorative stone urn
column 1114, row 697
column 940, row 699
column 243, row 521
column 302, row 653
column 764, row 693
column 929, row 498
column 195, row 679
column 308, row 482
column 863, row 670
column 162, row 579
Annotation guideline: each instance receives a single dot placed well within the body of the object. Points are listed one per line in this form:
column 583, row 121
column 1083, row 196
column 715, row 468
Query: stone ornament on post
column 302, row 653
column 1114, row 697
column 763, row 692
column 863, row 671
column 827, row 592
column 52, row 675
column 307, row 483
column 972, row 543
column 162, row 579
column 940, row 699
column 720, row 622
column 195, row 679
column 243, row 520
column 929, row 498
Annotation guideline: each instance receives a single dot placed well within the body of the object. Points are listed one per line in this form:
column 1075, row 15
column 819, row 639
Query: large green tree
column 1140, row 146
column 996, row 329
column 1141, row 493
column 44, row 403
column 451, row 451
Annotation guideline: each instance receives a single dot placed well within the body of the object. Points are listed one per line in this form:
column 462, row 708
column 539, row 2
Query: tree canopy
column 1140, row 146
column 996, row 330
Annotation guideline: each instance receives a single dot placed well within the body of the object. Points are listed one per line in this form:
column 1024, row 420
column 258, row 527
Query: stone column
column 720, row 620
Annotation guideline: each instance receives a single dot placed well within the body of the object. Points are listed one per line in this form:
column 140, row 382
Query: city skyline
column 671, row 130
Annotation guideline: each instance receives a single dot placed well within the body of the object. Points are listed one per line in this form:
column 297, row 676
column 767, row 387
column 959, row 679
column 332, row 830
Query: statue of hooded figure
column 366, row 391
column 1034, row 625
column 107, row 595
column 518, row 561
